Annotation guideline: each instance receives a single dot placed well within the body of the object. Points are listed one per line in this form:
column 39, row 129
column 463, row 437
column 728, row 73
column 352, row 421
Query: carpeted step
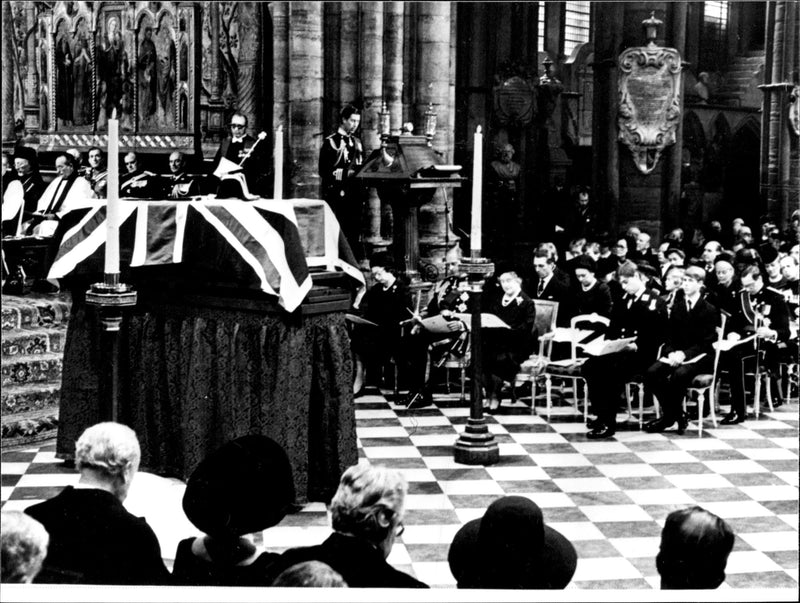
column 37, row 426
column 33, row 311
column 32, row 368
column 29, row 397
column 23, row 342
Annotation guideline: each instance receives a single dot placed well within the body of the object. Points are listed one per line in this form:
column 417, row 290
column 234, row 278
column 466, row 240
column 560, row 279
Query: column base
column 476, row 446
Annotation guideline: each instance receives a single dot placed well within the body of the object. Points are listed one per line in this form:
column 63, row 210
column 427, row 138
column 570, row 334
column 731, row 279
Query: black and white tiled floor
column 609, row 497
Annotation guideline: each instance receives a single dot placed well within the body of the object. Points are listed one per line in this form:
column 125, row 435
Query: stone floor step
column 31, row 368
column 22, row 342
column 30, row 397
column 35, row 310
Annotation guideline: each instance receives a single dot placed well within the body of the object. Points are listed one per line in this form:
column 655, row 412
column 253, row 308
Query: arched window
column 577, row 22
column 541, row 27
column 713, row 35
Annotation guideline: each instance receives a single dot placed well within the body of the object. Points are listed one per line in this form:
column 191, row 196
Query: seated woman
column 505, row 349
column 244, row 487
column 367, row 516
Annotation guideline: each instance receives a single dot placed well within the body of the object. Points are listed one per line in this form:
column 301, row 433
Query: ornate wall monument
column 649, row 98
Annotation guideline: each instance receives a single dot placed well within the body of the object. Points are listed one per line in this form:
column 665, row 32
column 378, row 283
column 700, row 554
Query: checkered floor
column 609, row 497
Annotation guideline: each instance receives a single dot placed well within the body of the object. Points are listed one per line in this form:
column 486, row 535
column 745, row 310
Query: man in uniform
column 762, row 311
column 97, row 173
column 687, row 352
column 135, row 182
column 179, row 184
column 639, row 314
column 339, row 158
column 250, row 153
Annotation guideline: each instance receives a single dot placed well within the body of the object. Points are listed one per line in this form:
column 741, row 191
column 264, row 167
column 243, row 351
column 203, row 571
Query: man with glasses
column 135, row 182
column 250, row 153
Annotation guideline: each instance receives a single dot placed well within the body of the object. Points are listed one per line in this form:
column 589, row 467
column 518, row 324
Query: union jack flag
column 264, row 236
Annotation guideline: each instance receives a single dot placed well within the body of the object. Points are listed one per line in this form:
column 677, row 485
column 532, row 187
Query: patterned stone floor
column 609, row 497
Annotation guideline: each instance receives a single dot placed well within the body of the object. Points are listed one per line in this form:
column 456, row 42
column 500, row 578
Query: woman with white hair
column 93, row 538
column 367, row 516
column 23, row 547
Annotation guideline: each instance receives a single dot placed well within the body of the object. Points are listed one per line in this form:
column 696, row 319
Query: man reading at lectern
column 339, row 159
column 247, row 152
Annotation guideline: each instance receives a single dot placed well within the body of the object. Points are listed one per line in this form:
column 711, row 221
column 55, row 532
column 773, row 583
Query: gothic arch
column 694, row 148
column 741, row 191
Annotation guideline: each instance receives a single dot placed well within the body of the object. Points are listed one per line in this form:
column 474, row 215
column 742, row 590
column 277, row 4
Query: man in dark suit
column 251, row 153
column 690, row 333
column 639, row 314
column 545, row 285
column 763, row 312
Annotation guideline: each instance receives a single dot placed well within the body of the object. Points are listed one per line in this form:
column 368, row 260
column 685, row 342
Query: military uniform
column 343, row 152
column 639, row 316
column 98, row 180
column 768, row 308
column 180, row 185
column 138, row 183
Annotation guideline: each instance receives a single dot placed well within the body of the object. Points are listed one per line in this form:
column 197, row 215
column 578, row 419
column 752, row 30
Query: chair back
column 717, row 350
column 546, row 315
column 594, row 322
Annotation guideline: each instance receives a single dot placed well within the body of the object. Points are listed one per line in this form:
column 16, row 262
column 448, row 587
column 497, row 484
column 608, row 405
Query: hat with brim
column 244, row 487
column 510, row 547
column 768, row 254
column 585, row 262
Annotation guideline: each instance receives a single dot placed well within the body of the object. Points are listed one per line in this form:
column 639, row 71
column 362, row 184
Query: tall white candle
column 112, row 201
column 477, row 185
column 278, row 192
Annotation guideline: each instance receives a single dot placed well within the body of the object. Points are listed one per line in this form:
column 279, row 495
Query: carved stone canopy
column 649, row 102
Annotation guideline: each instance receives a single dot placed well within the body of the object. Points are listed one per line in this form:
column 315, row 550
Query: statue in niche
column 82, row 77
column 148, row 76
column 44, row 81
column 113, row 63
column 166, row 84
column 503, row 183
column 184, row 63
column 64, row 75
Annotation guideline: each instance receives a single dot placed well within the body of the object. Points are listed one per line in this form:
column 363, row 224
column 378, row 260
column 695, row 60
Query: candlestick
column 112, row 201
column 278, row 191
column 477, row 184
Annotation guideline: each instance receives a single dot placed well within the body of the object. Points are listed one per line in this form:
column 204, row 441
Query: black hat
column 244, row 487
column 28, row 153
column 382, row 259
column 584, row 261
column 676, row 250
column 768, row 254
column 510, row 547
column 724, row 257
column 646, row 268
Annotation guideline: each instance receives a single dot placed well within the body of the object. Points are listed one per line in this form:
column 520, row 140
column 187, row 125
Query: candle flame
column 478, row 130
column 114, row 114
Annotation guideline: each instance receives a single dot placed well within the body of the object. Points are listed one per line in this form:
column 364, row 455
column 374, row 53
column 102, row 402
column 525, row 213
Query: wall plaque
column 649, row 102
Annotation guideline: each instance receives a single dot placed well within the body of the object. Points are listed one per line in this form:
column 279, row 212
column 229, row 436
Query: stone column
column 605, row 155
column 305, row 94
column 393, row 62
column 249, row 45
column 280, row 70
column 371, row 70
column 672, row 158
column 348, row 56
column 432, row 85
column 32, row 78
column 8, row 75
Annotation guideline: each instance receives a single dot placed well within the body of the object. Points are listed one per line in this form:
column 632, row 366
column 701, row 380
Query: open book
column 688, row 360
column 569, row 334
column 439, row 324
column 602, row 347
column 488, row 321
column 727, row 344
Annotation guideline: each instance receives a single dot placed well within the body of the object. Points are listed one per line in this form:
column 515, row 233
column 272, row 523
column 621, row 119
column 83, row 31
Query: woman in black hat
column 244, row 487
column 510, row 547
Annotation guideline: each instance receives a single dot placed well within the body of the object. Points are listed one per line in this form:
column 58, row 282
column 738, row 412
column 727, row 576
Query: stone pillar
column 348, row 56
column 432, row 85
column 280, row 72
column 605, row 155
column 371, row 70
column 249, row 46
column 393, row 62
column 8, row 75
column 32, row 77
column 672, row 158
column 305, row 94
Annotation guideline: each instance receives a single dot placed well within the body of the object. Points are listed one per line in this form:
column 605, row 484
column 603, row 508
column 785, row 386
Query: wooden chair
column 570, row 369
column 704, row 386
column 545, row 324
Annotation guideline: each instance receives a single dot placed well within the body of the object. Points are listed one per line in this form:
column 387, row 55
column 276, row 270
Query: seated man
column 66, row 192
column 639, row 314
column 135, row 182
column 763, row 312
column 695, row 545
column 179, row 184
column 93, row 538
column 688, row 351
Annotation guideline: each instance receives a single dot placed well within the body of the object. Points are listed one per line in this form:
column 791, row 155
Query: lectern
column 410, row 181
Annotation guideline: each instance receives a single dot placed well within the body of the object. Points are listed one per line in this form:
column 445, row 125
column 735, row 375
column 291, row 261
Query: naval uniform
column 341, row 151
